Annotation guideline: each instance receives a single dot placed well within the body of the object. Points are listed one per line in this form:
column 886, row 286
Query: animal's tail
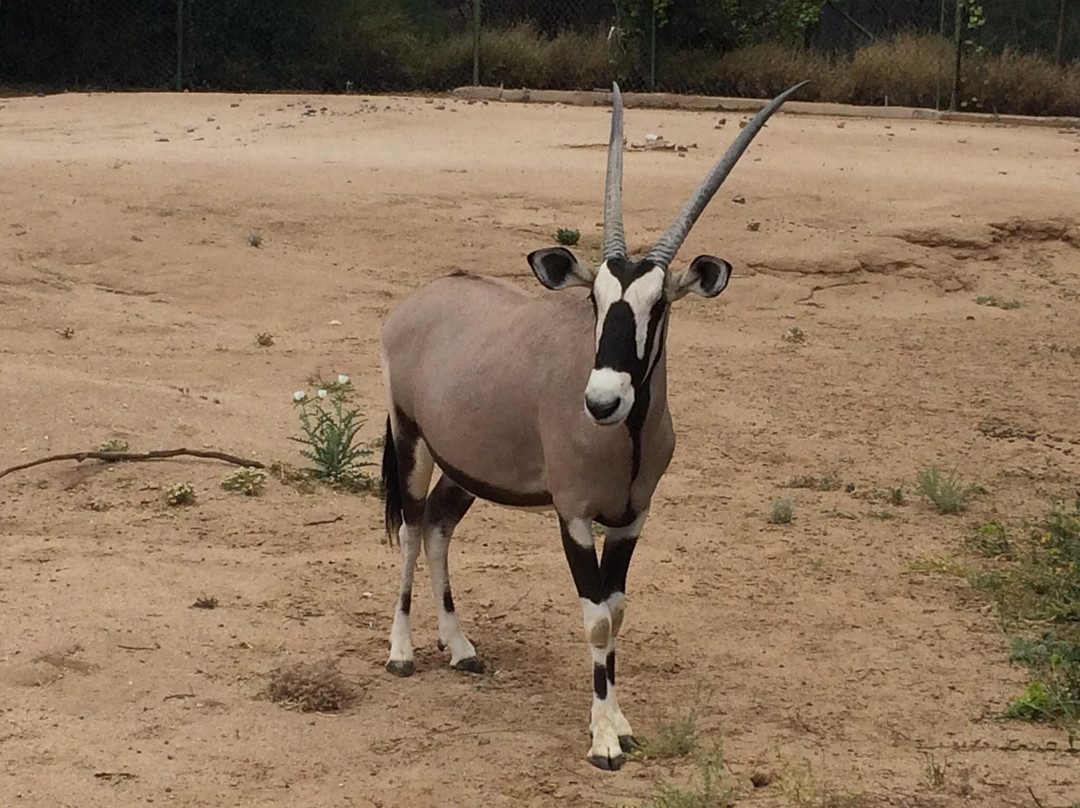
column 391, row 486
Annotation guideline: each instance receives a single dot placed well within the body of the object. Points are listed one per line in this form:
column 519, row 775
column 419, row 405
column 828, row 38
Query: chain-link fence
column 994, row 55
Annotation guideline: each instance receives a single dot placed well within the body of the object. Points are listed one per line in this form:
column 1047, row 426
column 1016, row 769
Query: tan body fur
column 511, row 416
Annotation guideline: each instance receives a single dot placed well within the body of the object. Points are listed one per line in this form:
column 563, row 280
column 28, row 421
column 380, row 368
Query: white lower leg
column 603, row 723
column 436, row 545
column 617, row 607
column 401, row 650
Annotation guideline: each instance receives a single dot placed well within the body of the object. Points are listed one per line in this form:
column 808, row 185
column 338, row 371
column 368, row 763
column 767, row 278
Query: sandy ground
column 811, row 648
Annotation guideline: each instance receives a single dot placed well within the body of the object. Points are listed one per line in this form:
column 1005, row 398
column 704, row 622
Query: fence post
column 652, row 48
column 1059, row 50
column 940, row 56
column 179, row 45
column 476, row 44
column 957, row 37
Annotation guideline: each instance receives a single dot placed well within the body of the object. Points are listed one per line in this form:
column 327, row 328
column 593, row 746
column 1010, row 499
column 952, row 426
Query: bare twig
column 514, row 606
column 324, row 521
column 138, row 647
column 158, row 454
column 1032, row 793
column 179, row 696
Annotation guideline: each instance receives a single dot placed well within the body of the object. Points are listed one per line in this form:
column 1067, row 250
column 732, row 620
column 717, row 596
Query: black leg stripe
column 583, row 566
column 447, row 505
column 611, row 667
column 599, row 681
column 448, row 601
column 406, row 602
column 615, row 564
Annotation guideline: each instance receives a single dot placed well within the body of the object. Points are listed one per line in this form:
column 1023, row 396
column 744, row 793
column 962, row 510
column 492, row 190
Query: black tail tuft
column 391, row 486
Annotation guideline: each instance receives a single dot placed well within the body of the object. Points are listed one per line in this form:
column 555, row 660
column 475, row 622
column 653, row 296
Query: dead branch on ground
column 116, row 457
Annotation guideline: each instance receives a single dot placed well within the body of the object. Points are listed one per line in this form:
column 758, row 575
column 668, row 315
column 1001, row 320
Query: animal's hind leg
column 446, row 506
column 415, row 466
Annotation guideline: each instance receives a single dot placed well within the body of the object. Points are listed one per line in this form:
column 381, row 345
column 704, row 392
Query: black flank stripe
column 492, row 493
column 611, row 668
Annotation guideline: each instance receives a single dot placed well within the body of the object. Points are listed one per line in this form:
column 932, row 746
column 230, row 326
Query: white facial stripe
column 606, row 290
column 658, row 340
column 641, row 296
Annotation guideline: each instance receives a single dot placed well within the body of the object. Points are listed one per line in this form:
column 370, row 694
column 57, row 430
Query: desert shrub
column 315, row 687
column 782, row 511
column 945, row 489
column 762, row 71
column 904, row 69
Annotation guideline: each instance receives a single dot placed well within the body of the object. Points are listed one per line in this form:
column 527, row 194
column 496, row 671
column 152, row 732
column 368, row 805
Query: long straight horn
column 614, row 236
column 669, row 243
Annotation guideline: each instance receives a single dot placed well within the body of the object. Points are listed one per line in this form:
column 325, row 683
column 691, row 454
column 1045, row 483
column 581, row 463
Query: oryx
column 553, row 402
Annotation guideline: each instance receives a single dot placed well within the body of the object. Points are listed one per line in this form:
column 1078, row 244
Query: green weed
column 933, row 772
column 782, row 511
column 676, row 735
column 997, row 302
column 330, row 428
column 114, row 445
column 948, row 493
column 794, row 335
column 180, row 494
column 705, row 789
column 567, row 237
column 247, row 481
column 826, row 483
column 990, row 540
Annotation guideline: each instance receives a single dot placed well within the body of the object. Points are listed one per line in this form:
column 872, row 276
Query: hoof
column 400, row 667
column 469, row 665
column 629, row 744
column 607, row 763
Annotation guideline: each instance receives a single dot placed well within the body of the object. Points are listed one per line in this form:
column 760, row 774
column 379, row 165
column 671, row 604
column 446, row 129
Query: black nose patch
column 618, row 339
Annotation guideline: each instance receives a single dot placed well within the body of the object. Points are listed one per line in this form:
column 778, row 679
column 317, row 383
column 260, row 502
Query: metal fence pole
column 652, row 49
column 179, row 45
column 1060, row 44
column 476, row 44
column 941, row 56
column 957, row 36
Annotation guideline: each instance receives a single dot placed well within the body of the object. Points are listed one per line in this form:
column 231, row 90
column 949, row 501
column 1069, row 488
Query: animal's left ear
column 558, row 268
column 707, row 276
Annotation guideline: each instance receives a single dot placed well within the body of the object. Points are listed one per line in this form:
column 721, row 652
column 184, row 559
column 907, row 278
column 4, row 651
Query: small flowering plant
column 330, row 428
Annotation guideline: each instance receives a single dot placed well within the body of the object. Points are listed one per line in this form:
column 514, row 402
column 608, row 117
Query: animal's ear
column 557, row 268
column 707, row 276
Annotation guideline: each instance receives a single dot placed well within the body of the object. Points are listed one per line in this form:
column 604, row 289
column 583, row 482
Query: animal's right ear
column 557, row 268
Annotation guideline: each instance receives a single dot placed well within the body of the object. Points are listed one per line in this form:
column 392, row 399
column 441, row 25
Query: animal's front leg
column 606, row 751
column 618, row 549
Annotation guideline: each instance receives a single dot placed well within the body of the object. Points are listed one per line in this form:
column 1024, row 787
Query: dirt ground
column 811, row 649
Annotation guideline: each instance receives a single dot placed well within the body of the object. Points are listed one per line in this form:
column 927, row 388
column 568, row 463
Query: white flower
column 322, row 394
column 342, row 379
column 299, row 395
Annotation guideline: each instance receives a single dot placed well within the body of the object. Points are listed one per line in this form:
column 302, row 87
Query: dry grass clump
column 903, row 70
column 1023, row 83
column 316, row 687
column 763, row 71
column 906, row 70
column 521, row 57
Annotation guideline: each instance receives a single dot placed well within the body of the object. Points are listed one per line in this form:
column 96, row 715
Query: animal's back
column 441, row 324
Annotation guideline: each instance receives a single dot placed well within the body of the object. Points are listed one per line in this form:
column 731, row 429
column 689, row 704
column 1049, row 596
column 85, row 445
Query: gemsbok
column 552, row 402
